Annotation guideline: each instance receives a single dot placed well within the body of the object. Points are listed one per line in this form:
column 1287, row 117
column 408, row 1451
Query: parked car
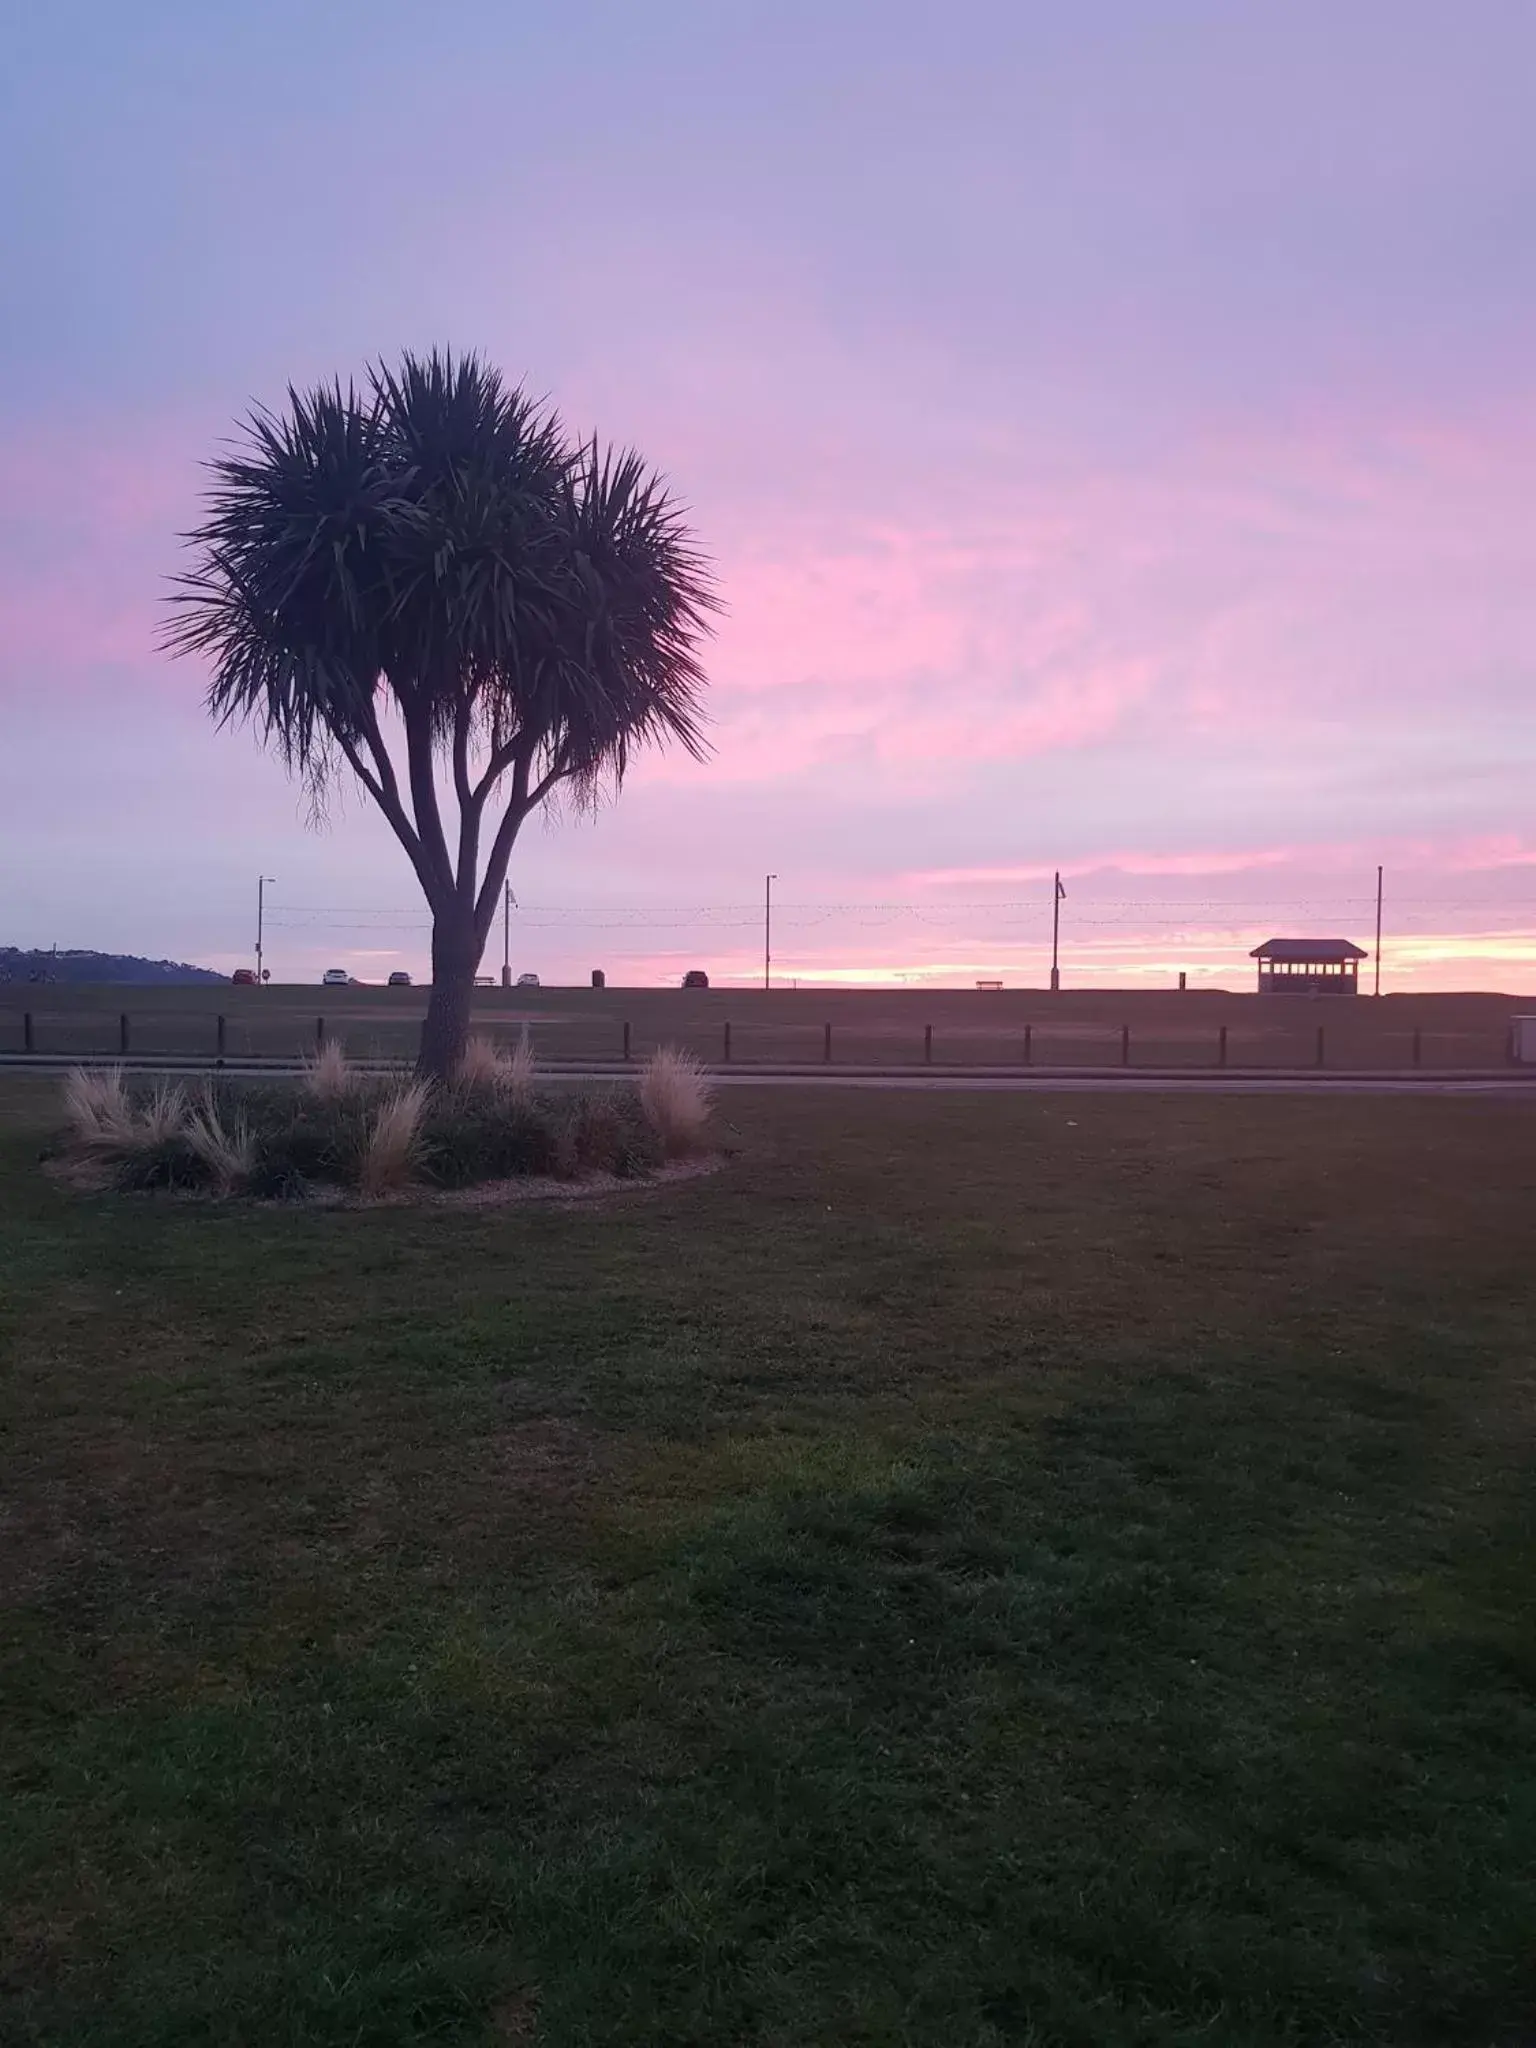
column 695, row 978
column 527, row 981
column 244, row 977
column 485, row 981
column 335, row 977
column 399, row 979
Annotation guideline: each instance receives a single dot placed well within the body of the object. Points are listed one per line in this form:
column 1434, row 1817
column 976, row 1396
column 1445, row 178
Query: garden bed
column 333, row 1135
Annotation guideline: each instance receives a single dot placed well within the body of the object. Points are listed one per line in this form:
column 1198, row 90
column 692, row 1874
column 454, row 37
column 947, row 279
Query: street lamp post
column 768, row 882
column 261, row 906
column 1378, row 930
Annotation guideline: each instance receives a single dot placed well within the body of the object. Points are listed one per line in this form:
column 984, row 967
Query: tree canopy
column 425, row 581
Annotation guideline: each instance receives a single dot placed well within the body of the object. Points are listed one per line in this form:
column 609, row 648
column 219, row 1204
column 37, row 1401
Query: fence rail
column 95, row 1035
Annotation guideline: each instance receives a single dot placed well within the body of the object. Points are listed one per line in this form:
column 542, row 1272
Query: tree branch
column 461, row 788
column 389, row 787
column 541, row 790
column 522, row 802
column 518, row 807
column 469, row 805
column 501, row 760
column 429, row 820
column 381, row 785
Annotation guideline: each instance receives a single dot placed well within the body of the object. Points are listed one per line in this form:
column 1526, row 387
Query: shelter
column 1309, row 967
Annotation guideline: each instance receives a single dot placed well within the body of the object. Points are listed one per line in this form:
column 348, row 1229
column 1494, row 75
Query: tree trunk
column 456, row 954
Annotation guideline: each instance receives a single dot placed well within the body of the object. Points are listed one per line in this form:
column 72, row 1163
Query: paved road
column 1104, row 1081
column 1151, row 1084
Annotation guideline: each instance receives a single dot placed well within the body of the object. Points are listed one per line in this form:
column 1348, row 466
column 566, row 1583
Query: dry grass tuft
column 97, row 1106
column 487, row 1067
column 227, row 1150
column 676, row 1095
column 393, row 1149
column 162, row 1118
column 482, row 1064
column 104, row 1118
column 326, row 1074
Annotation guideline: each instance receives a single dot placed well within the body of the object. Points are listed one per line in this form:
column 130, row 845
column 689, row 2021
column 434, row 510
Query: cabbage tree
column 426, row 585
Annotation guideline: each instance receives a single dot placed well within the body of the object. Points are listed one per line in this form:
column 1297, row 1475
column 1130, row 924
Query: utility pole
column 768, row 882
column 1056, row 895
column 507, row 900
column 1378, row 929
column 261, row 909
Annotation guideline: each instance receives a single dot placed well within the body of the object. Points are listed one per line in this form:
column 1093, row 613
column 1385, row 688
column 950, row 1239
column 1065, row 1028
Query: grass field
column 975, row 1571
column 868, row 1026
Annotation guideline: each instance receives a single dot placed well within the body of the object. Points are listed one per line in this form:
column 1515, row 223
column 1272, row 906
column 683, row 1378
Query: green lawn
column 979, row 1570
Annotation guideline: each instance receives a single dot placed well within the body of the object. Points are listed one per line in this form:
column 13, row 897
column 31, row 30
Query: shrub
column 302, row 1139
column 393, row 1149
column 521, row 1069
column 676, row 1096
column 326, row 1074
column 275, row 1179
column 168, row 1160
column 471, row 1135
column 610, row 1134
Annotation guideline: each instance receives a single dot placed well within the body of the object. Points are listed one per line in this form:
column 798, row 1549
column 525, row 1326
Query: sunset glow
column 1132, row 480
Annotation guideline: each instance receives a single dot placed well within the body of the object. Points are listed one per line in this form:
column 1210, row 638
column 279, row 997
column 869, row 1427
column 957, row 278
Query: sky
column 1113, row 425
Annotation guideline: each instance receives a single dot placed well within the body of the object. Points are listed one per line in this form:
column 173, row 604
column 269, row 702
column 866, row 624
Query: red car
column 244, row 977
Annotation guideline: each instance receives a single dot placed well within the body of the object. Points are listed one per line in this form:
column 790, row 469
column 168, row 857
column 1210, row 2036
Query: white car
column 335, row 977
column 527, row 981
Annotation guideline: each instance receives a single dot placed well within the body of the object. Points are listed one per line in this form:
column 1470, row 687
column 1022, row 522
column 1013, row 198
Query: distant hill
column 17, row 964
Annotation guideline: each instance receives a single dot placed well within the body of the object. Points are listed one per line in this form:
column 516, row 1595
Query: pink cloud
column 1242, row 580
column 83, row 584
column 1322, row 573
column 1196, row 864
column 1488, row 854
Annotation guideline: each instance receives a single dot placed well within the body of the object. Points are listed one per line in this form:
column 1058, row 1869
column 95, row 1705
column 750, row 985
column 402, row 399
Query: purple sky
column 1115, row 425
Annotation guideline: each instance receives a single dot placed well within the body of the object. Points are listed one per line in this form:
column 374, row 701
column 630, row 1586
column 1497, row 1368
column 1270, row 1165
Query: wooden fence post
column 727, row 1043
column 1125, row 1045
column 221, row 1037
column 626, row 1041
column 928, row 1045
column 1029, row 1045
column 1221, row 1046
column 122, row 1035
column 1418, row 1046
column 319, row 1034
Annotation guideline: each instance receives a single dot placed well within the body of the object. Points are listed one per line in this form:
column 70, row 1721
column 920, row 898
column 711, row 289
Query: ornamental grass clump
column 392, row 1151
column 327, row 1076
column 488, row 1069
column 676, row 1096
column 226, row 1148
column 100, row 1116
